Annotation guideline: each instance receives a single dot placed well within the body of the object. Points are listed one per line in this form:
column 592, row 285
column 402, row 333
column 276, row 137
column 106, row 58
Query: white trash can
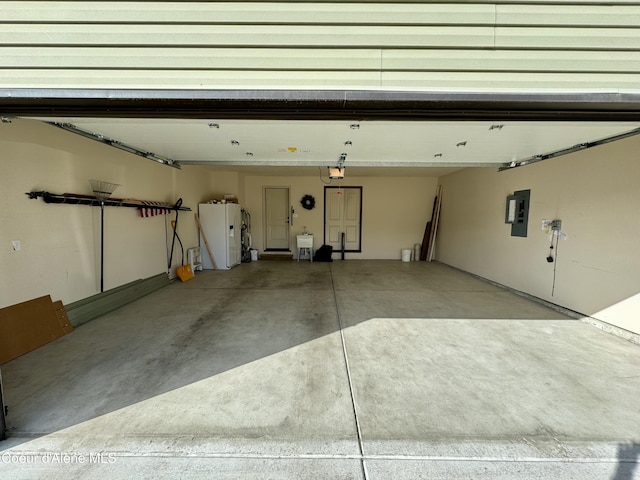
column 254, row 255
column 406, row 255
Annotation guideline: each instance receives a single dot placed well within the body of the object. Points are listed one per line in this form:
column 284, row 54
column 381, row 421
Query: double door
column 343, row 218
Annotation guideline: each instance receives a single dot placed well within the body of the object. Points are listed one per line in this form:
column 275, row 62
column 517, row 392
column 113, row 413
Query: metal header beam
column 321, row 104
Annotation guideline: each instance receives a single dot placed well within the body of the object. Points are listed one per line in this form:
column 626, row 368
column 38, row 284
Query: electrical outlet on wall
column 549, row 226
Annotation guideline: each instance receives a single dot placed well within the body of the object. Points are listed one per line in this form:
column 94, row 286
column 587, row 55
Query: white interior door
column 276, row 202
column 343, row 215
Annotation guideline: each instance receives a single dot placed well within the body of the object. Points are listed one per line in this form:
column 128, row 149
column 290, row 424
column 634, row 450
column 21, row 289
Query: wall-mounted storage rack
column 78, row 199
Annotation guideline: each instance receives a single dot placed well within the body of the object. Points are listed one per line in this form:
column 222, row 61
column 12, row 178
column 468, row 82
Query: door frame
column 324, row 216
column 264, row 218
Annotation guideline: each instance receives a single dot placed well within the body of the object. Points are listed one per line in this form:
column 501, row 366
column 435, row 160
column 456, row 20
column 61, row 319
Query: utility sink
column 305, row 242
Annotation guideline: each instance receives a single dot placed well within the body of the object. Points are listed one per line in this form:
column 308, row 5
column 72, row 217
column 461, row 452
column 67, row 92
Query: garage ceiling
column 371, row 147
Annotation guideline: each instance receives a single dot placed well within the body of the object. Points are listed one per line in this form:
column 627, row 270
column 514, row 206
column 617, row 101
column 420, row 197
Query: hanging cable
column 166, row 243
column 320, row 173
column 550, row 256
column 555, row 264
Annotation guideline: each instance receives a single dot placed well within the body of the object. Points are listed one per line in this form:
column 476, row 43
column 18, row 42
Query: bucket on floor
column 254, row 255
column 406, row 255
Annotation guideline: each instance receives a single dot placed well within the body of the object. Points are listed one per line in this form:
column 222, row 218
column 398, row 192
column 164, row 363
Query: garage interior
column 510, row 355
column 477, row 364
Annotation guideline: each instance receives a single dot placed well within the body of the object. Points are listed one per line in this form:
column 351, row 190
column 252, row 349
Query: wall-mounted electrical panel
column 517, row 212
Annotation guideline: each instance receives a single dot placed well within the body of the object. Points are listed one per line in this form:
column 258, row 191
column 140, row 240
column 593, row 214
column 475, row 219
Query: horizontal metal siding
column 247, row 13
column 529, row 61
column 308, row 59
column 172, row 79
column 489, row 81
column 193, row 58
column 247, row 35
column 317, row 13
column 568, row 38
column 106, row 79
column 569, row 15
column 457, row 45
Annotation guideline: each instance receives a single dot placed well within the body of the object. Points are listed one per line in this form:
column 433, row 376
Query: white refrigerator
column 221, row 224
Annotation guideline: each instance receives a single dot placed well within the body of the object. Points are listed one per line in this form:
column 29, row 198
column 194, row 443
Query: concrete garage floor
column 349, row 370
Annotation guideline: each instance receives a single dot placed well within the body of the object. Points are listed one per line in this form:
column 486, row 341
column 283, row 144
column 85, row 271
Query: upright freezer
column 222, row 225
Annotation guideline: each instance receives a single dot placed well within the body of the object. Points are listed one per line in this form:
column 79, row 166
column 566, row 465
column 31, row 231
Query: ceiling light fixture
column 354, row 126
column 497, row 126
column 437, row 155
column 348, row 143
column 235, row 143
column 249, row 154
column 336, row 172
column 6, row 120
column 461, row 144
column 214, row 125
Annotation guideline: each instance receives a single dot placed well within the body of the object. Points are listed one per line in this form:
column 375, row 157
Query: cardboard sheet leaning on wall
column 29, row 325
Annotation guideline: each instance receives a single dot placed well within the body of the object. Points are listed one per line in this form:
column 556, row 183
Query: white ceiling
column 399, row 148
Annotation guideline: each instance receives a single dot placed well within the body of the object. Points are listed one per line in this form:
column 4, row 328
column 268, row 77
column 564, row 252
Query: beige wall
column 394, row 210
column 61, row 243
column 224, row 183
column 594, row 192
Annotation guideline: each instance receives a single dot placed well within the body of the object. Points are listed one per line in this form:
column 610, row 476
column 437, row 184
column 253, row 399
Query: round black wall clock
column 308, row 202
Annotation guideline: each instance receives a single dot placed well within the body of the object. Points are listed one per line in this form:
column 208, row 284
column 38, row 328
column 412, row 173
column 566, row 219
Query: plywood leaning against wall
column 29, row 325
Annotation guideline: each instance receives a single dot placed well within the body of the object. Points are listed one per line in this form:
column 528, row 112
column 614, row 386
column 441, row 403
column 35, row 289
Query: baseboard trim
column 594, row 322
column 92, row 307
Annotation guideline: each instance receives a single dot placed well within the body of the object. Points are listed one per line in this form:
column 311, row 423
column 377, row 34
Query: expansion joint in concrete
column 348, row 370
